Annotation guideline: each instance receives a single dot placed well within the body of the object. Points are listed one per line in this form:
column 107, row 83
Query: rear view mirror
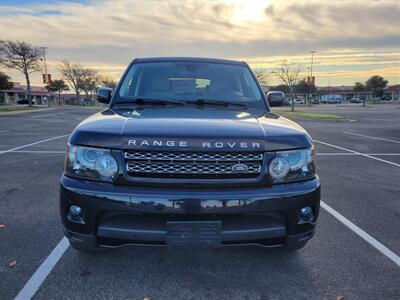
column 104, row 95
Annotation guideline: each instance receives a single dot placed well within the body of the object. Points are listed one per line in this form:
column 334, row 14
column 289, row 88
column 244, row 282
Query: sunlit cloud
column 349, row 36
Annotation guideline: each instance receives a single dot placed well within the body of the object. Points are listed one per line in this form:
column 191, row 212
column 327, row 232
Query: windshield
column 190, row 82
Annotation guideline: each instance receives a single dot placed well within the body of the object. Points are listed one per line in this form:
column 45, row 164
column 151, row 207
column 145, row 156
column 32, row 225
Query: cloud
column 111, row 33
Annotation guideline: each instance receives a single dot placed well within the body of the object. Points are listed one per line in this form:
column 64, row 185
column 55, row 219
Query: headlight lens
column 91, row 163
column 289, row 166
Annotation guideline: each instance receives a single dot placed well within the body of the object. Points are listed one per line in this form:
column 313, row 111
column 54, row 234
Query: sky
column 353, row 39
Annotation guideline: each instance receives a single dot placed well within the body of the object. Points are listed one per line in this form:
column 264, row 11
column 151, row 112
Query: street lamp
column 46, row 81
column 311, row 74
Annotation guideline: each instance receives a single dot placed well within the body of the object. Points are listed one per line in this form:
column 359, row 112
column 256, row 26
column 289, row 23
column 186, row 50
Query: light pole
column 311, row 75
column 45, row 72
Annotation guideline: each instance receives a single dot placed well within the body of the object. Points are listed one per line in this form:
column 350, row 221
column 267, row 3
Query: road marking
column 372, row 137
column 361, row 233
column 386, row 120
column 37, row 279
column 31, row 144
column 319, row 153
column 40, row 275
column 355, row 154
column 362, row 154
column 40, row 152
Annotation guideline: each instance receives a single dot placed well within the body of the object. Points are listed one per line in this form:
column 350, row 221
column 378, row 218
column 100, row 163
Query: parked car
column 355, row 100
column 315, row 101
column 180, row 164
column 25, row 101
column 298, row 101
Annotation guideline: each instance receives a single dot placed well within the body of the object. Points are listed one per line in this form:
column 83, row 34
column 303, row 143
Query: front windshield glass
column 190, row 81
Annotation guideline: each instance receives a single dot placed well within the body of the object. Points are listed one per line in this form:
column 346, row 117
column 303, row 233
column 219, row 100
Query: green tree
column 358, row 88
column 281, row 87
column 302, row 87
column 23, row 57
column 375, row 85
column 5, row 82
column 57, row 86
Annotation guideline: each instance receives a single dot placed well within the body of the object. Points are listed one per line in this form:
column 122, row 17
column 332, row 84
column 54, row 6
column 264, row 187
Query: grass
column 313, row 115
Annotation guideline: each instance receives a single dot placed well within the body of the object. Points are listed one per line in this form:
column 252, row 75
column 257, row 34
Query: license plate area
column 194, row 233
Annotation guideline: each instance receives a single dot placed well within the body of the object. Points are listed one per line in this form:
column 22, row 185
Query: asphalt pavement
column 359, row 166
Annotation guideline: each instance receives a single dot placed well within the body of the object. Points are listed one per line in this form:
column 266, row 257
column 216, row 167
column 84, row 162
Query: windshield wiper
column 203, row 102
column 144, row 101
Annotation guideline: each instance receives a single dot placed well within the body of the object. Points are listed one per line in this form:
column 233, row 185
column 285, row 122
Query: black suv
column 188, row 154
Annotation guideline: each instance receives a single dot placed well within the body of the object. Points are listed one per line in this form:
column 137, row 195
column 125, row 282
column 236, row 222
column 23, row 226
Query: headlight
column 289, row 166
column 91, row 163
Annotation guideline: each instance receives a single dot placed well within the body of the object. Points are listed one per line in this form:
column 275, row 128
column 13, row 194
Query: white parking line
column 318, row 153
column 362, row 154
column 355, row 154
column 34, row 283
column 38, row 152
column 31, row 144
column 372, row 137
column 361, row 233
column 40, row 275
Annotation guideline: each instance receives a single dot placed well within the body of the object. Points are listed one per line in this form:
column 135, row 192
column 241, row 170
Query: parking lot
column 354, row 254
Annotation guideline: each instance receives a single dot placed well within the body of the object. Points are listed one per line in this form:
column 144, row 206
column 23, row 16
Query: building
column 345, row 93
column 18, row 92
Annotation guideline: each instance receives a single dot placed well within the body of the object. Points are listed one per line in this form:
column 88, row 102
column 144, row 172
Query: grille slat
column 189, row 168
column 193, row 156
column 193, row 164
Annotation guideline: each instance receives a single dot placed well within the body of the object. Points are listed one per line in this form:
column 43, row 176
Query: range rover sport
column 188, row 154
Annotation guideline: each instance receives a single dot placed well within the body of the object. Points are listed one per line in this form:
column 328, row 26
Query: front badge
column 239, row 168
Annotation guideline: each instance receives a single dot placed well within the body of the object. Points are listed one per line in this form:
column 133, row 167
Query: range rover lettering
column 188, row 154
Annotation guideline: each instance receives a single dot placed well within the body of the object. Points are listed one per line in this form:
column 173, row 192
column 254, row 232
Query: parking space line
column 38, row 151
column 364, row 235
column 359, row 153
column 40, row 275
column 372, row 137
column 31, row 144
column 37, row 279
column 354, row 154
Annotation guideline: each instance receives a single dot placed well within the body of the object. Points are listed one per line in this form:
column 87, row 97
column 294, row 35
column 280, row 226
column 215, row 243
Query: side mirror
column 275, row 95
column 275, row 98
column 104, row 95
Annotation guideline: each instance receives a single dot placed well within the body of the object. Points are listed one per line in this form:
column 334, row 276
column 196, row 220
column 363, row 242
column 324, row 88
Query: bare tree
column 262, row 76
column 289, row 73
column 106, row 80
column 73, row 74
column 88, row 83
column 23, row 57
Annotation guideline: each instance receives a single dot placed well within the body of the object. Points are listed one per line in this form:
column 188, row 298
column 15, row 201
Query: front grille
column 193, row 164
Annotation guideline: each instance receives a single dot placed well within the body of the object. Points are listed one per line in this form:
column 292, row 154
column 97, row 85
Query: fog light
column 306, row 215
column 75, row 212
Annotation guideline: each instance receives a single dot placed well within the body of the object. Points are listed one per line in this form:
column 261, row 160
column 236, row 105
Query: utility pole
column 45, row 72
column 311, row 75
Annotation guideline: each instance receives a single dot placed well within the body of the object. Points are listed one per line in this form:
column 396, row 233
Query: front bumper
column 118, row 215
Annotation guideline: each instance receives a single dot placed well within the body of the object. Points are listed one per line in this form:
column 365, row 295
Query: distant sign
column 46, row 80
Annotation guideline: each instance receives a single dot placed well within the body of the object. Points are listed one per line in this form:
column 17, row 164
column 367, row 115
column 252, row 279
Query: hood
column 189, row 129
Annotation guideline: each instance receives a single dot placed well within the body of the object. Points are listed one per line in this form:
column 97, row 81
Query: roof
column 189, row 59
column 23, row 91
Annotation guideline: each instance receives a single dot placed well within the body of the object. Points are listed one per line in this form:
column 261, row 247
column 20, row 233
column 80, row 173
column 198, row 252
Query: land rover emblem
column 240, row 168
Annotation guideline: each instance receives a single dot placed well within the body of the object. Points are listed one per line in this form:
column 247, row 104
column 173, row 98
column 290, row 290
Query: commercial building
column 19, row 92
